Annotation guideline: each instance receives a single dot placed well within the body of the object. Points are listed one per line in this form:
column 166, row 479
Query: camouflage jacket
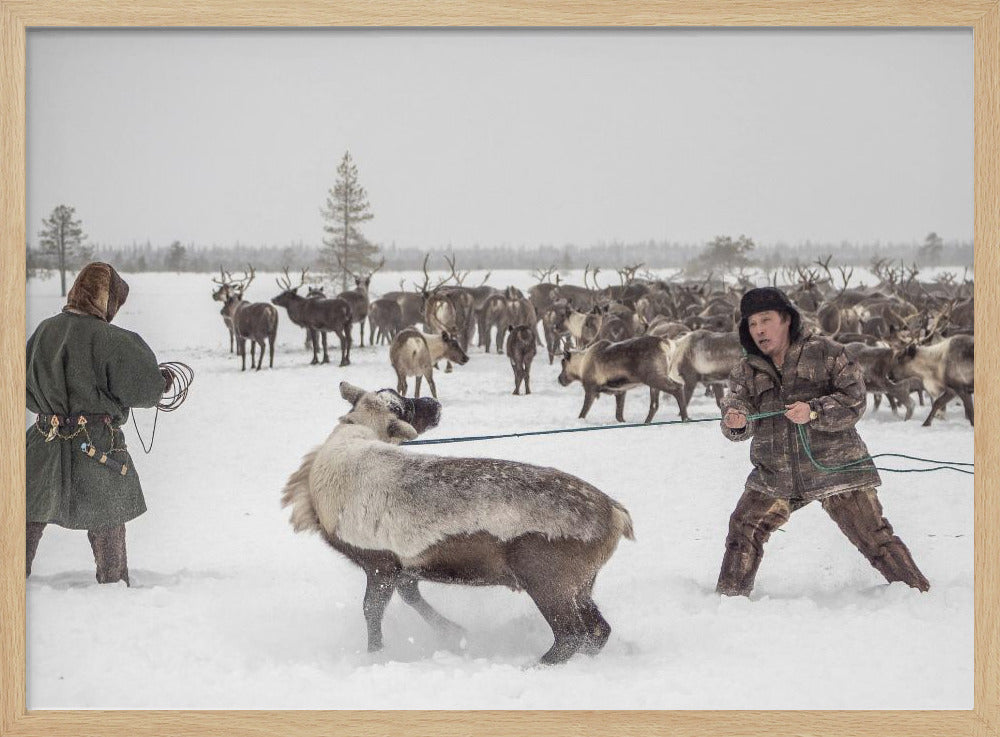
column 817, row 371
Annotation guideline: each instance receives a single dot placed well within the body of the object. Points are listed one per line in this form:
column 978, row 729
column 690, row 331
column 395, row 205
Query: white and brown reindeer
column 946, row 368
column 614, row 368
column 705, row 356
column 414, row 353
column 403, row 517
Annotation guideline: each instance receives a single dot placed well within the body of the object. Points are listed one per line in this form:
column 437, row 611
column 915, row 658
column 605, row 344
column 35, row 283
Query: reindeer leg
column 378, row 592
column 654, row 404
column 939, row 404
column 898, row 394
column 416, row 388
column 312, row 337
column 966, row 398
column 401, row 383
column 598, row 629
column 682, row 397
column 242, row 350
column 407, row 588
column 620, row 406
column 527, row 379
column 326, row 356
column 589, row 395
column 345, row 348
column 430, row 383
column 719, row 393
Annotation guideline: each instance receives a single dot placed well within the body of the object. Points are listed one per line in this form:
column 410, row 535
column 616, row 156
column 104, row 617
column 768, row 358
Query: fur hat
column 762, row 299
column 422, row 413
column 98, row 290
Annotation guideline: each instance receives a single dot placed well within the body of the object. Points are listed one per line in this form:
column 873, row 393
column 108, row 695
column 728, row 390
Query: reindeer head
column 370, row 410
column 453, row 349
column 570, row 372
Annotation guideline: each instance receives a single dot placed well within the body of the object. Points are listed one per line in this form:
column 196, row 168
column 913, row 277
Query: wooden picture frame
column 17, row 16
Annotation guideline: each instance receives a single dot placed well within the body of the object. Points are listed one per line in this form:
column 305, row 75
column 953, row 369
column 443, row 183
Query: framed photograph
column 201, row 150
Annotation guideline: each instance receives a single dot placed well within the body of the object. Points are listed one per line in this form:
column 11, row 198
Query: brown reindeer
column 492, row 316
column 403, row 517
column 229, row 287
column 614, row 368
column 521, row 342
column 553, row 322
column 318, row 316
column 253, row 321
column 357, row 298
column 385, row 320
column 414, row 353
column 518, row 310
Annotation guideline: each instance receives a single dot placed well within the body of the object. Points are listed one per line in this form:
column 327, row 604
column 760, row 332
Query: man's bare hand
column 734, row 419
column 798, row 412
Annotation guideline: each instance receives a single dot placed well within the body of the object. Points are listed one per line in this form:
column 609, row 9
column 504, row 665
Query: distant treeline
column 192, row 257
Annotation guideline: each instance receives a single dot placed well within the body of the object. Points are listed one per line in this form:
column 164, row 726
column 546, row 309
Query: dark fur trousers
column 857, row 513
column 108, row 545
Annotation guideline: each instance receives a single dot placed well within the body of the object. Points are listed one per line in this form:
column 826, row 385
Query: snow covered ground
column 230, row 609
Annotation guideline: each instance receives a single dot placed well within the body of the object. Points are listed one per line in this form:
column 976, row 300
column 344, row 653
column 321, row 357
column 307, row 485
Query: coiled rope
column 181, row 378
column 940, row 465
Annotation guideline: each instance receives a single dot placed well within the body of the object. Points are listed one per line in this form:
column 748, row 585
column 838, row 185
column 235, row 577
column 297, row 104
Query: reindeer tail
column 296, row 494
column 272, row 323
column 622, row 520
column 681, row 347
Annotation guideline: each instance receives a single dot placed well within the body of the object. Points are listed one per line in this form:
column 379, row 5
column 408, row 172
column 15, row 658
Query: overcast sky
column 504, row 137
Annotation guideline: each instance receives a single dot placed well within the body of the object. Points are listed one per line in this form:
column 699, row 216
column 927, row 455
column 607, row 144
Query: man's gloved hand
column 168, row 377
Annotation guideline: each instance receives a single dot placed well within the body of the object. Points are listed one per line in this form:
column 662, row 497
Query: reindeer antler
column 423, row 289
column 544, row 275
column 286, row 283
column 459, row 278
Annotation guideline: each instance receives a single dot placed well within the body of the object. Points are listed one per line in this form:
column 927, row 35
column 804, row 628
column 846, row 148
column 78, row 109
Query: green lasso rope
column 846, row 467
column 943, row 465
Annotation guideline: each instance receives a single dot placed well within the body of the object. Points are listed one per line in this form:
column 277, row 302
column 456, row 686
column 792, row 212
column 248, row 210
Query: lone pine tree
column 62, row 237
column 346, row 248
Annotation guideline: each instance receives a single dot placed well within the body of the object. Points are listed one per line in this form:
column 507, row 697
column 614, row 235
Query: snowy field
column 230, row 609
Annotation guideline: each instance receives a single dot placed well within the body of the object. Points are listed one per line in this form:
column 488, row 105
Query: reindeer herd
column 404, row 517
column 911, row 337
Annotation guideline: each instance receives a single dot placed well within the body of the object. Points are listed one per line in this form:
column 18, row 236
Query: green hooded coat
column 78, row 363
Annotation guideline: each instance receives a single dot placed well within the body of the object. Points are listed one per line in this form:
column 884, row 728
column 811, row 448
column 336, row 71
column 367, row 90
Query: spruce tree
column 347, row 249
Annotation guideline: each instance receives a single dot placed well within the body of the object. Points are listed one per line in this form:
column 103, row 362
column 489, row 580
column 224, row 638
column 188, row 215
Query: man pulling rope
column 798, row 380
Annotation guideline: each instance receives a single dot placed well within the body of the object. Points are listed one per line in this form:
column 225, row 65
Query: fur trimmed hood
column 98, row 291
